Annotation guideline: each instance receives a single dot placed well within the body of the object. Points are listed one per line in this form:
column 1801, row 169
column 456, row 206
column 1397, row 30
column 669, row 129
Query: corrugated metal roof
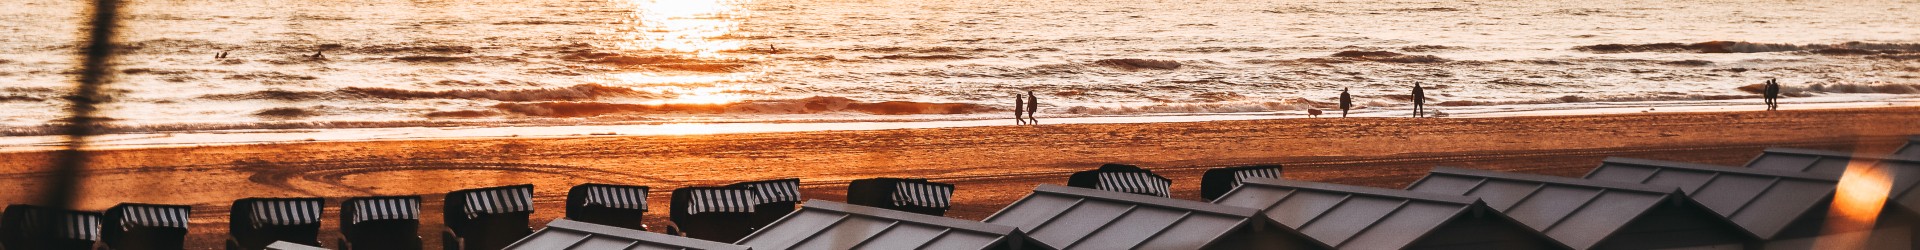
column 1905, row 172
column 1352, row 217
column 567, row 234
column 1911, row 150
column 1080, row 218
column 833, row 225
column 1763, row 201
column 1577, row 212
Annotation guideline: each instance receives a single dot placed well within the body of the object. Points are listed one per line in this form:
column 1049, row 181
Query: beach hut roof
column 1912, row 149
column 1080, row 218
column 1354, row 217
column 1577, row 212
column 1902, row 171
column 833, row 225
column 568, row 234
column 1763, row 201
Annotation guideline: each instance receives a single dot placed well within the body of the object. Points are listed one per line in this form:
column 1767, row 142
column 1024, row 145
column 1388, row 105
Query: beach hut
column 1807, row 160
column 1787, row 209
column 1911, row 150
column 380, row 223
column 282, row 245
column 1329, row 216
column 569, row 234
column 833, row 225
column 607, row 204
column 36, row 227
column 911, row 195
column 722, row 214
column 1590, row 214
column 135, row 226
column 486, row 218
column 1122, row 178
column 1079, row 218
column 255, row 222
column 776, row 199
column 1218, row 181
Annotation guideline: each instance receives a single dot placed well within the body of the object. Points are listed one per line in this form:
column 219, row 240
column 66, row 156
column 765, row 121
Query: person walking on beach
column 1772, row 94
column 1419, row 100
column 1346, row 102
column 1033, row 105
column 1019, row 107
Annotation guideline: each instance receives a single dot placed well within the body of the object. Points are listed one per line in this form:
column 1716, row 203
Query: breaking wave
column 1855, row 88
column 813, row 105
column 1848, row 48
column 573, row 93
column 1135, row 64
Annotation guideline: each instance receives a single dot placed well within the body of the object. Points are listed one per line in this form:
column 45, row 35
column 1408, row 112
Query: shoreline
column 283, row 136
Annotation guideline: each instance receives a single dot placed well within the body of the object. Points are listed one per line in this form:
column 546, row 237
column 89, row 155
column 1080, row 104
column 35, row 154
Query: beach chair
column 723, row 214
column 605, row 204
column 1122, row 178
column 487, row 218
column 36, row 227
column 256, row 222
column 777, row 199
column 260, row 222
column 134, row 226
column 1216, row 182
column 380, row 223
column 910, row 195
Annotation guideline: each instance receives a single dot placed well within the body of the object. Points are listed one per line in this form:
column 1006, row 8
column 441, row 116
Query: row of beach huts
column 1783, row 199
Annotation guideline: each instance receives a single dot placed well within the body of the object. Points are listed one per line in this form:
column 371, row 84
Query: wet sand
column 993, row 166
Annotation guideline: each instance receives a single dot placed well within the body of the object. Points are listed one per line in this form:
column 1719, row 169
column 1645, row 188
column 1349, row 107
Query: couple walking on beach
column 1027, row 104
column 1419, row 101
column 1770, row 93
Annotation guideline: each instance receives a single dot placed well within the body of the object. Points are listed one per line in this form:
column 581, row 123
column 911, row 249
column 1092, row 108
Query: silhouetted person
column 1346, row 102
column 1772, row 94
column 1419, row 100
column 1019, row 107
column 1033, row 105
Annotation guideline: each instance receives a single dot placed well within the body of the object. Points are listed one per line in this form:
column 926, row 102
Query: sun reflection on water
column 686, row 26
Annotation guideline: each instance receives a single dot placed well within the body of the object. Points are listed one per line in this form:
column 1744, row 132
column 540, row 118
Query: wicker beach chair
column 257, row 222
column 723, row 214
column 1218, row 181
column 487, row 218
column 777, row 199
column 36, row 227
column 380, row 223
column 1122, row 178
column 613, row 205
column 910, row 195
column 135, row 226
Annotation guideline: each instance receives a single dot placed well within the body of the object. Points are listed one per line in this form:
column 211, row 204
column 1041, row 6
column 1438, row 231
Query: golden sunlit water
column 687, row 28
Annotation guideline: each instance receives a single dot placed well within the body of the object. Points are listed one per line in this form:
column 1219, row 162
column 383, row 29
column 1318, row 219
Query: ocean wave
column 1191, row 108
column 1848, row 48
column 289, row 112
column 571, row 93
column 1137, row 64
column 812, row 105
column 918, row 57
column 1792, row 90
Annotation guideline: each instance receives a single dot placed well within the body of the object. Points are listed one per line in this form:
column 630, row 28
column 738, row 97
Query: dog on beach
column 1313, row 113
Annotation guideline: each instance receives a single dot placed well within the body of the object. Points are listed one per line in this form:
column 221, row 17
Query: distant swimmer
column 1033, row 105
column 1346, row 102
column 1019, row 107
column 1419, row 100
column 221, row 55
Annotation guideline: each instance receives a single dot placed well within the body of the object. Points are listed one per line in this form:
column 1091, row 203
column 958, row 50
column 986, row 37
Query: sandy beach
column 992, row 166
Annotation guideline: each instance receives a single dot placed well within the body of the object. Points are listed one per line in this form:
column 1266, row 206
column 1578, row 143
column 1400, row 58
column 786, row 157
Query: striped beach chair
column 777, row 198
column 380, row 223
column 1122, row 178
column 487, row 218
column 910, row 195
column 606, row 204
column 36, row 227
column 1218, row 181
column 723, row 214
column 135, row 226
column 256, row 222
